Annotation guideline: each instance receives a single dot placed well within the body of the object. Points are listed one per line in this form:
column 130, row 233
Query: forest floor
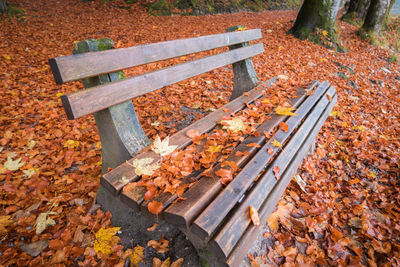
column 347, row 213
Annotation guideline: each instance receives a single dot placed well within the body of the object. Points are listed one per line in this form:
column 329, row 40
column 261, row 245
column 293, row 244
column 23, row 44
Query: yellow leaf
column 285, row 111
column 336, row 113
column 31, row 144
column 323, row 60
column 137, row 256
column 254, row 216
column 276, row 143
column 43, row 220
column 7, row 57
column 105, row 240
column 144, row 167
column 235, row 125
column 162, row 147
column 71, row 144
column 324, row 33
column 214, row 149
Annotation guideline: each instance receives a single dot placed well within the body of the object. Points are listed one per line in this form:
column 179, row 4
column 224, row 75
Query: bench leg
column 120, row 132
column 244, row 76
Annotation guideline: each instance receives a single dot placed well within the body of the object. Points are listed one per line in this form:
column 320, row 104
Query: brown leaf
column 283, row 126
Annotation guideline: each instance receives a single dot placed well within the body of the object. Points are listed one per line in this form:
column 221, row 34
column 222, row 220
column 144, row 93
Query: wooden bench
column 214, row 217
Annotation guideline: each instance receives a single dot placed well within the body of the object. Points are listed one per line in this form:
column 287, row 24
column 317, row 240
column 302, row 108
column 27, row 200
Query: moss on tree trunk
column 316, row 22
column 356, row 11
column 374, row 20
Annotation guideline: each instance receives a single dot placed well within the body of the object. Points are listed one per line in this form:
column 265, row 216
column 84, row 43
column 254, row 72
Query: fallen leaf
column 254, row 216
column 283, row 126
column 11, row 164
column 105, row 240
column 270, row 151
column 214, row 149
column 144, row 167
column 276, row 171
column 253, row 145
column 177, row 263
column 137, row 256
column 71, row 144
column 4, row 222
column 235, row 125
column 43, row 220
column 152, row 228
column 155, row 207
column 283, row 111
column 35, row 248
column 192, row 133
column 162, row 147
column 161, row 246
column 276, row 143
column 282, row 77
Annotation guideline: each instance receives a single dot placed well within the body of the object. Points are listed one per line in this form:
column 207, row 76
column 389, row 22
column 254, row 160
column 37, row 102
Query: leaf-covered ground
column 346, row 211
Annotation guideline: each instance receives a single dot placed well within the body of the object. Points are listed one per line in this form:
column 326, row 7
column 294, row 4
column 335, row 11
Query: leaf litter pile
column 341, row 208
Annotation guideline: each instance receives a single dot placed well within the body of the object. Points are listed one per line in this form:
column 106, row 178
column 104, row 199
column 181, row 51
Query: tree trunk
column 3, row 6
column 357, row 10
column 375, row 18
column 314, row 16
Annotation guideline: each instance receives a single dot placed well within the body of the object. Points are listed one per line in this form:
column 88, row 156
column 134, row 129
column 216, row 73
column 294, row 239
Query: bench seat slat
column 238, row 223
column 100, row 97
column 247, row 241
column 77, row 67
column 184, row 212
column 167, row 198
column 205, row 225
column 112, row 180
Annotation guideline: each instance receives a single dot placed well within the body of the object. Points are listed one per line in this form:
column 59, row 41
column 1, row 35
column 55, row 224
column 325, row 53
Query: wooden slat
column 200, row 195
column 270, row 202
column 100, row 97
column 77, row 67
column 205, row 225
column 166, row 198
column 113, row 181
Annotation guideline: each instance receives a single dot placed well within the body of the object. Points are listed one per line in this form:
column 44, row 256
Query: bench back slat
column 77, row 67
column 100, row 97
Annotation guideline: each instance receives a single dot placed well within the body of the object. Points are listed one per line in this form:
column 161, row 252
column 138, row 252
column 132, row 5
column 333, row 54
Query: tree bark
column 357, row 10
column 3, row 6
column 375, row 18
column 314, row 16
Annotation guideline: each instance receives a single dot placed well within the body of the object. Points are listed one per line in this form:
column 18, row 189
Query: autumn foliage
column 342, row 208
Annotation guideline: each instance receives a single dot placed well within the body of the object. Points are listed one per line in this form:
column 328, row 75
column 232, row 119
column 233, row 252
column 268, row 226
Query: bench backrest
column 86, row 65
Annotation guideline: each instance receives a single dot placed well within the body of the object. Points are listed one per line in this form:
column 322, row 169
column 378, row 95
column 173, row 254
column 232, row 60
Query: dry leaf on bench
column 162, row 148
column 155, row 207
column 235, row 125
column 254, row 216
column 285, row 111
column 144, row 166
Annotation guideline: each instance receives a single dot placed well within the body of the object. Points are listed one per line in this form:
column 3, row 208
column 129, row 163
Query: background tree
column 357, row 9
column 316, row 18
column 3, row 6
column 375, row 19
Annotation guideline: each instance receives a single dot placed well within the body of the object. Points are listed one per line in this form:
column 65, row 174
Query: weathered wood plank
column 72, row 68
column 166, row 198
column 244, row 245
column 205, row 225
column 113, row 180
column 85, row 102
column 183, row 213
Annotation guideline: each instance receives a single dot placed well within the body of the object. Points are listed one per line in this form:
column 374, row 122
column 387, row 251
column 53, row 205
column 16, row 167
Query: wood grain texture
column 100, row 97
column 113, row 181
column 77, row 67
column 205, row 225
column 183, row 213
column 252, row 232
column 237, row 224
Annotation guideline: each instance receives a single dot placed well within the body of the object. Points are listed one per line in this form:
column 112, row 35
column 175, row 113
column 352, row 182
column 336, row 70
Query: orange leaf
column 226, row 110
column 192, row 133
column 161, row 246
column 270, row 151
column 253, row 145
column 224, row 173
column 231, row 164
column 254, row 216
column 152, row 228
column 155, row 207
column 276, row 171
column 329, row 97
column 283, row 126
